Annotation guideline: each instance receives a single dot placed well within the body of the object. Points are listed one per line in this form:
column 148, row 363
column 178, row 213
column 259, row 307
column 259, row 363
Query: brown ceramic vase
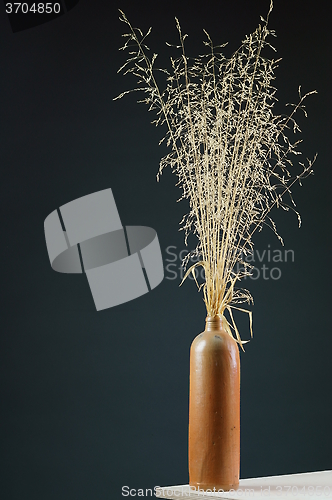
column 214, row 409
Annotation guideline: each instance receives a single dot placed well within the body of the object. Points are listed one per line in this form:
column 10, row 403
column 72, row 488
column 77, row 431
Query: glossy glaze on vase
column 214, row 409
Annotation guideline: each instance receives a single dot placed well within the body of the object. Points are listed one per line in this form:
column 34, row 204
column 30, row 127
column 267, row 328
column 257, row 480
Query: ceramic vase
column 214, row 409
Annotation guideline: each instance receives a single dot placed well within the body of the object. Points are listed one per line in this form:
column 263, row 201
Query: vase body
column 214, row 409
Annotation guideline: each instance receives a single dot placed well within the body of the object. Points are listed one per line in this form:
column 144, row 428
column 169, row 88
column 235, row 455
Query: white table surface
column 307, row 486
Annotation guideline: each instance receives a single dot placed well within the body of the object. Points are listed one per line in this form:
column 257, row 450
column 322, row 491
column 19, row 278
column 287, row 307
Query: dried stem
column 230, row 152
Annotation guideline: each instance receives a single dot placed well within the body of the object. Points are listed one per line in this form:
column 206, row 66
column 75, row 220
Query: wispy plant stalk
column 232, row 155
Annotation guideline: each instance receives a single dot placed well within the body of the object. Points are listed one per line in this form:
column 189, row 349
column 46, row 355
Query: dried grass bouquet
column 232, row 155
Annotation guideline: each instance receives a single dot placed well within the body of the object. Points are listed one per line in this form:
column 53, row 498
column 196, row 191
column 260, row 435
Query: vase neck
column 213, row 323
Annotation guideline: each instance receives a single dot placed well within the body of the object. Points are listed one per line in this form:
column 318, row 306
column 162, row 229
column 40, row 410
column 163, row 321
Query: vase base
column 213, row 487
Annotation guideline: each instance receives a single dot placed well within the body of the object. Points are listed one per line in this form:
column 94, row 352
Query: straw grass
column 233, row 157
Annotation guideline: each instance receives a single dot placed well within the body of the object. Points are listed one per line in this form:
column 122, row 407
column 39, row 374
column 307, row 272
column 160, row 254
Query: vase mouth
column 213, row 318
column 214, row 322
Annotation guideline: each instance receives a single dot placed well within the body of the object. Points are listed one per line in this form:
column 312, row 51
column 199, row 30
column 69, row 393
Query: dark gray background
column 93, row 401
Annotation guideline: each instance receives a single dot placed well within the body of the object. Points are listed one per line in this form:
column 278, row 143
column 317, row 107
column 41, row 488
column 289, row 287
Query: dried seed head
column 230, row 152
